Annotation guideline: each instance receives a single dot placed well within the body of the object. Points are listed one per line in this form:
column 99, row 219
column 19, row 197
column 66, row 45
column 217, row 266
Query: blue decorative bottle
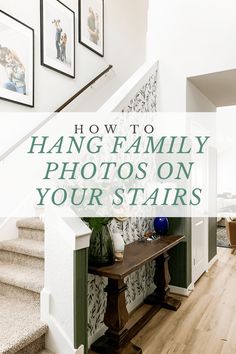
column 161, row 226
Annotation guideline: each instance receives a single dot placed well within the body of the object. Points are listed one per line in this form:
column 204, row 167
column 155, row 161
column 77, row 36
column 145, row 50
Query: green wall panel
column 80, row 298
column 180, row 261
column 212, row 238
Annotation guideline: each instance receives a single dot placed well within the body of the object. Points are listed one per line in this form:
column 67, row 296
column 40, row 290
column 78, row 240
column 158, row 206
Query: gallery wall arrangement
column 57, row 45
column 16, row 61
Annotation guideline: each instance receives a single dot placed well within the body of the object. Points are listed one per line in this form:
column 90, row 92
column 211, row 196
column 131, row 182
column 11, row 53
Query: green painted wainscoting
column 180, row 261
column 212, row 238
column 180, row 256
column 81, row 299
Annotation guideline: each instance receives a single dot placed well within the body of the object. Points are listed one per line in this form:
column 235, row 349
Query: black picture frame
column 20, row 89
column 57, row 64
column 87, row 43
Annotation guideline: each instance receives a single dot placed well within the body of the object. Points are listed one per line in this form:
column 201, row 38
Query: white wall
column 226, row 183
column 226, row 149
column 190, row 38
column 125, row 44
column 8, row 229
column 196, row 101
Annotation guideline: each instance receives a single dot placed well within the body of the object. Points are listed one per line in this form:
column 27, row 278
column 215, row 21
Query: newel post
column 64, row 297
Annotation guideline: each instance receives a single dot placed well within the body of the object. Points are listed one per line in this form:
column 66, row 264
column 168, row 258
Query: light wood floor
column 205, row 322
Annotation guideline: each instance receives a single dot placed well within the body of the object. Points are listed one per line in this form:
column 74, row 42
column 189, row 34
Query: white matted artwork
column 16, row 61
column 58, row 37
column 91, row 33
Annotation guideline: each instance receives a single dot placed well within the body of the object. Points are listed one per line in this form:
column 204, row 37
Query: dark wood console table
column 122, row 327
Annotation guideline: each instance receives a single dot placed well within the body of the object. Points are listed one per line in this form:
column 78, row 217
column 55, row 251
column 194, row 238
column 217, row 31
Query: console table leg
column 116, row 338
column 116, row 315
column 162, row 280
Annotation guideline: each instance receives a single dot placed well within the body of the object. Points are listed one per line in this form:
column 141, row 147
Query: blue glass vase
column 161, row 226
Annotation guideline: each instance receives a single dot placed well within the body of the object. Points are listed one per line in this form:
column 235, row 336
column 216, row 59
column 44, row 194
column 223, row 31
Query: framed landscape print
column 16, row 61
column 57, row 37
column 91, row 27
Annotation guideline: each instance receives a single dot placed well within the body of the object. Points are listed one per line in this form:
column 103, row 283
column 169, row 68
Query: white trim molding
column 182, row 291
column 57, row 338
column 212, row 261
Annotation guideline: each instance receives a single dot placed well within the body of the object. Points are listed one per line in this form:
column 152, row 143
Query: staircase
column 21, row 280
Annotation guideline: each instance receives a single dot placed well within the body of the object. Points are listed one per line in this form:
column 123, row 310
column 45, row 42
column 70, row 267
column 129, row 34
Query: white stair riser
column 21, row 259
column 37, row 235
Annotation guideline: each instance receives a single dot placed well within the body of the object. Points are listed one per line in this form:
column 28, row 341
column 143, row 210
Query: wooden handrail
column 40, row 125
column 84, row 89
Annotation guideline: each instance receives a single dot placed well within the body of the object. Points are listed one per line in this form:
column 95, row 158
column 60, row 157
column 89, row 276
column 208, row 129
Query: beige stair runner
column 21, row 280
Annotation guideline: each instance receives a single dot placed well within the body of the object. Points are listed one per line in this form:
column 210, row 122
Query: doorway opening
column 213, row 92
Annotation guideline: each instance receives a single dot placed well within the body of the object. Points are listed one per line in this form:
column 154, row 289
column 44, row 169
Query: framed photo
column 16, row 61
column 91, row 27
column 57, row 37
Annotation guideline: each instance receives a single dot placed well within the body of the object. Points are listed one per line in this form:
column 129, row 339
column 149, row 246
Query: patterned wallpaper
column 139, row 282
column 145, row 100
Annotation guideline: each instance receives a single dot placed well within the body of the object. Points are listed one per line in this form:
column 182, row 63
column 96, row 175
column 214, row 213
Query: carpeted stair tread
column 31, row 223
column 23, row 277
column 20, row 324
column 24, row 246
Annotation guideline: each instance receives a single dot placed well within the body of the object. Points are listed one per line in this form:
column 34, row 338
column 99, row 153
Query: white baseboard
column 80, row 350
column 191, row 287
column 210, row 264
column 57, row 340
column 181, row 291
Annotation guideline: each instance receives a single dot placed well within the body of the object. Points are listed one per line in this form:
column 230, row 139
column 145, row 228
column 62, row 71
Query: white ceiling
column 219, row 87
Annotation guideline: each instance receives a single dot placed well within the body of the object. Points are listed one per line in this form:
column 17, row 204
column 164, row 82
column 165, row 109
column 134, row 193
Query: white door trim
column 196, row 275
